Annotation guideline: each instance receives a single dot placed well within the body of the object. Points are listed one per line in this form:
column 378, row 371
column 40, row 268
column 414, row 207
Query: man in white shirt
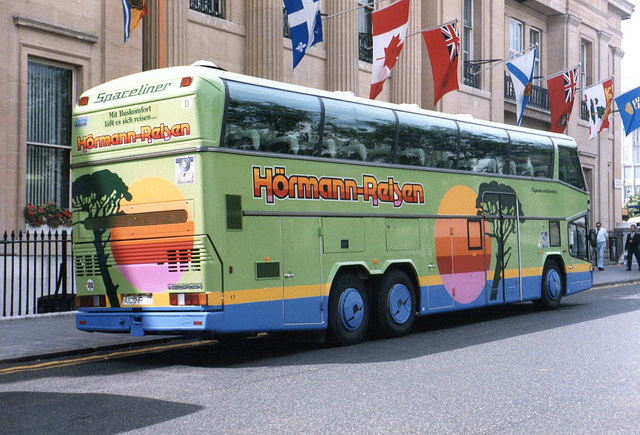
column 601, row 239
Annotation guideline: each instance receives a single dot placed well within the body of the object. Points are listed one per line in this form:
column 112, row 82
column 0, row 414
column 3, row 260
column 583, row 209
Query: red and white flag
column 598, row 98
column 562, row 89
column 389, row 26
column 443, row 44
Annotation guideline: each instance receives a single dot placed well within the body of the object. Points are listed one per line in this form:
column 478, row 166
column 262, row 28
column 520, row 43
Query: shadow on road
column 24, row 412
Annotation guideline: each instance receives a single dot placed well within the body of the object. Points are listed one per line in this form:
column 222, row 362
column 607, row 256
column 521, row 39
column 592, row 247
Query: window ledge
column 32, row 24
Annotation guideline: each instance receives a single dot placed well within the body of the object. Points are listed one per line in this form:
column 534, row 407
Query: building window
column 627, row 173
column 515, row 37
column 49, row 101
column 365, row 32
column 215, row 8
column 535, row 38
column 586, row 74
column 470, row 69
column 636, row 172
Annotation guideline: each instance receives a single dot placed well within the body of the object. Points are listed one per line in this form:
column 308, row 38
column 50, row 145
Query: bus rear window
column 271, row 120
column 569, row 167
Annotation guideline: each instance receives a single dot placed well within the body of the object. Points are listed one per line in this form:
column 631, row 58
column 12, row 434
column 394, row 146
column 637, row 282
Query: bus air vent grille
column 165, row 217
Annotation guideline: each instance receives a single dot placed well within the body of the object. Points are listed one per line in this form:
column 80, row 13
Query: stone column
column 164, row 34
column 406, row 76
column 340, row 33
column 264, row 52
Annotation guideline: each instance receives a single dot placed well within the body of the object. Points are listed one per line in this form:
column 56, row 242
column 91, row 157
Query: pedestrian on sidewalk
column 632, row 246
column 601, row 236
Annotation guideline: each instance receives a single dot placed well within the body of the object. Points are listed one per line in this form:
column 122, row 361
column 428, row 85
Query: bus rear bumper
column 142, row 323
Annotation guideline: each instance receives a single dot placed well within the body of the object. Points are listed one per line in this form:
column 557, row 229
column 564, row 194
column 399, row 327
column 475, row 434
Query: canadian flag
column 389, row 26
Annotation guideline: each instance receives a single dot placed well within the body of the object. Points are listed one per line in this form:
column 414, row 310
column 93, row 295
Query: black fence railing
column 215, row 8
column 365, row 47
column 36, row 272
column 471, row 75
column 539, row 97
column 584, row 111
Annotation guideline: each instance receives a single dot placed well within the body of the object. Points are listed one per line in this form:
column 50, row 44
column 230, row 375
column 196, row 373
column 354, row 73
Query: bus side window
column 425, row 140
column 481, row 147
column 531, row 155
column 569, row 167
column 360, row 132
column 271, row 120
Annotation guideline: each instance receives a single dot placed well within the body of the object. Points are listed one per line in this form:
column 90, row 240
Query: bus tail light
column 186, row 81
column 90, row 301
column 83, row 101
column 188, row 299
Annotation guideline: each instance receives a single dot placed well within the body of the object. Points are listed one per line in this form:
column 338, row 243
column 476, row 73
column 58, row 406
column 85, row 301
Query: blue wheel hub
column 351, row 309
column 400, row 303
column 554, row 284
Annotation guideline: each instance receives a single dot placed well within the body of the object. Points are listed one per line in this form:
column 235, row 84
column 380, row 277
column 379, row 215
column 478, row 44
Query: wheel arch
column 557, row 258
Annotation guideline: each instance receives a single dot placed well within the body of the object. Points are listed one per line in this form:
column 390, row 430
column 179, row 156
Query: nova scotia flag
column 305, row 24
column 521, row 70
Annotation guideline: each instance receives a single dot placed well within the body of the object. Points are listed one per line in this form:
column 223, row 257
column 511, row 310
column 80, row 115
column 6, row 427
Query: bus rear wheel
column 552, row 286
column 348, row 310
column 396, row 304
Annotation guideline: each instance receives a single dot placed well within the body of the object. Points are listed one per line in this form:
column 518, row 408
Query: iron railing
column 36, row 272
column 471, row 75
column 539, row 97
column 215, row 8
column 365, row 47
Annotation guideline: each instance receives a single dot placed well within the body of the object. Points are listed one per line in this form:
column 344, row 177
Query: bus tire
column 396, row 304
column 348, row 310
column 552, row 286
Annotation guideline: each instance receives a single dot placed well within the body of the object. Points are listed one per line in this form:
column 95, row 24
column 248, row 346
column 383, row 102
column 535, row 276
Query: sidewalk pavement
column 44, row 336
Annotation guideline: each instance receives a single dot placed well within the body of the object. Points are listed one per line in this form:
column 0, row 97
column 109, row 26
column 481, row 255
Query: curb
column 87, row 350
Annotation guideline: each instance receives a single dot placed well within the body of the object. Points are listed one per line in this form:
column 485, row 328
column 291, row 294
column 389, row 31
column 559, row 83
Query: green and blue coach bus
column 207, row 202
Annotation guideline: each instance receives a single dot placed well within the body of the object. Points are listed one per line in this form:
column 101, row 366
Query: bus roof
column 159, row 84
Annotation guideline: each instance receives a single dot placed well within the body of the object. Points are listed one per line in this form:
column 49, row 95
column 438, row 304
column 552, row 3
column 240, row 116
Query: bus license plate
column 137, row 300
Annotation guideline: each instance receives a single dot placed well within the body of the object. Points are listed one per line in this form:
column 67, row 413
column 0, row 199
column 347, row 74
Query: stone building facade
column 54, row 50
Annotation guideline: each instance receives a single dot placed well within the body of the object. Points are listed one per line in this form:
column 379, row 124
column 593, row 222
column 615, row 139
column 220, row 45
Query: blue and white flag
column 521, row 70
column 305, row 25
column 629, row 109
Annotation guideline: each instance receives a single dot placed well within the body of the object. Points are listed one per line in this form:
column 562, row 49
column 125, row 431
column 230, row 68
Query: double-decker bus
column 207, row 202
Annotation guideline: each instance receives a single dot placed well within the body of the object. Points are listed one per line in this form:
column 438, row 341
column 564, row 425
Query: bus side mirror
column 593, row 237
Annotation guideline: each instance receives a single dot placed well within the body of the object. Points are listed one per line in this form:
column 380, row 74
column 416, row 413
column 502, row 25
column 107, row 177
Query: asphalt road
column 502, row 370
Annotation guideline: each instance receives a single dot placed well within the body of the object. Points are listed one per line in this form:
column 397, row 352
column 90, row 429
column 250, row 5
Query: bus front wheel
column 348, row 310
column 552, row 286
column 396, row 304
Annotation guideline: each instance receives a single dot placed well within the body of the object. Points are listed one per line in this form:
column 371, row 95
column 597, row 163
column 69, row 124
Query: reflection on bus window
column 359, row 132
column 272, row 120
column 569, row 169
column 531, row 155
column 482, row 148
column 426, row 141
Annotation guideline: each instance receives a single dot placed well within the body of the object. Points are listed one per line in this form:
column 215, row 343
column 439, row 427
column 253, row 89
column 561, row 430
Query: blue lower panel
column 237, row 318
column 579, row 281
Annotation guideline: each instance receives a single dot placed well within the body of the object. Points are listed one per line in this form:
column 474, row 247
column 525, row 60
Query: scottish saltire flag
column 133, row 11
column 305, row 25
column 389, row 28
column 629, row 107
column 521, row 70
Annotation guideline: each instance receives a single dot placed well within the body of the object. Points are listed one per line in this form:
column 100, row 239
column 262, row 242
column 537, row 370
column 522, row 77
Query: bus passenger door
column 502, row 210
column 302, row 289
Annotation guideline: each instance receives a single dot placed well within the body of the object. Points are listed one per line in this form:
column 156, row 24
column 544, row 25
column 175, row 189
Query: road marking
column 113, row 355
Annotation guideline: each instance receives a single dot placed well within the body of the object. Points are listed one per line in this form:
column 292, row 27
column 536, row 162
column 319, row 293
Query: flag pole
column 531, row 47
column 579, row 65
column 433, row 27
column 360, row 5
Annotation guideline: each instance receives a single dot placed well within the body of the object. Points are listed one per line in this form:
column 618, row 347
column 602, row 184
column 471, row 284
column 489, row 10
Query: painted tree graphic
column 98, row 195
column 500, row 202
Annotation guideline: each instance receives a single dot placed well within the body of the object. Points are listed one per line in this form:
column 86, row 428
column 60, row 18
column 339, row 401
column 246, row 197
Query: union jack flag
column 570, row 80
column 451, row 38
